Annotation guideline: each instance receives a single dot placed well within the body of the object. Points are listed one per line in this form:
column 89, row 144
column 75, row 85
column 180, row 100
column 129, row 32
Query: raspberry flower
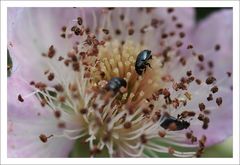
column 135, row 82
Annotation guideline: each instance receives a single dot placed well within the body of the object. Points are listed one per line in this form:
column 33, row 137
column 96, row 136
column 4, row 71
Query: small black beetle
column 181, row 124
column 142, row 61
column 115, row 84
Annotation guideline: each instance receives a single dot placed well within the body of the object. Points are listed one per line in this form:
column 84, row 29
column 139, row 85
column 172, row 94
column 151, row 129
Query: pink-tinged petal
column 27, row 120
column 31, row 31
column 217, row 29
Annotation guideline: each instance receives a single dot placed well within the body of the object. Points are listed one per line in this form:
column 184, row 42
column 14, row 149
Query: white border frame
column 234, row 4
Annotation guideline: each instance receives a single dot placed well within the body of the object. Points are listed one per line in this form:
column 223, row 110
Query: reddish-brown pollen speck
column 20, row 98
column 219, row 101
column 44, row 138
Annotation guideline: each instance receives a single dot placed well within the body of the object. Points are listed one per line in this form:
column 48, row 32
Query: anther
column 20, row 98
column 219, row 101
column 44, row 138
column 51, row 76
column 217, row 47
column 214, row 89
column 57, row 114
column 83, row 111
column 162, row 133
column 127, row 125
column 201, row 106
column 210, row 80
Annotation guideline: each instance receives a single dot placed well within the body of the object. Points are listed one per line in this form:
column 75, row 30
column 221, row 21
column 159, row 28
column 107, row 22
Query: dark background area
column 202, row 12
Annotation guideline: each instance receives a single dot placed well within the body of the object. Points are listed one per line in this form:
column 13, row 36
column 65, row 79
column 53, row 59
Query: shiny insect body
column 115, row 84
column 180, row 124
column 142, row 61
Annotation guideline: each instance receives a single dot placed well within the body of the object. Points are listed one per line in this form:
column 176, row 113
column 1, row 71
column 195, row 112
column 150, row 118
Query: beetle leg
column 148, row 65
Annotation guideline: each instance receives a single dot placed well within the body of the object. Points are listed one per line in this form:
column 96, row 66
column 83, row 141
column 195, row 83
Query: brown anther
column 78, row 31
column 190, row 46
column 32, row 83
column 76, row 66
column 179, row 25
column 95, row 151
column 63, row 35
column 199, row 152
column 198, row 81
column 165, row 92
column 189, row 73
column 179, row 43
column 189, row 135
column 43, row 102
column 122, row 17
column 210, row 97
column 154, row 22
column 175, row 103
column 205, row 125
column 80, row 21
column 64, row 28
column 105, row 31
column 20, row 98
column 51, row 51
column 170, row 9
column 200, row 117
column 51, row 76
column 118, row 31
column 210, row 80
column 83, row 111
column 130, row 31
column 41, row 86
column 229, row 74
column 191, row 113
column 111, row 8
column 219, row 101
column 146, row 111
column 181, row 34
column 217, row 47
column 214, row 89
column 73, row 28
column 57, row 113
column 174, row 18
column 164, row 35
column 193, row 139
column 143, row 139
column 127, row 125
column 206, row 112
column 200, row 57
column 59, row 88
column 182, row 61
column 44, row 138
column 60, row 58
column 201, row 106
column 61, row 125
column 210, row 64
column 62, row 99
column 66, row 62
column 171, row 150
column 151, row 106
column 162, row 133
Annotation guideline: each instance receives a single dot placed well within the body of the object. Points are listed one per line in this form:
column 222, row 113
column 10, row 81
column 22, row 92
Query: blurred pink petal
column 217, row 30
column 27, row 120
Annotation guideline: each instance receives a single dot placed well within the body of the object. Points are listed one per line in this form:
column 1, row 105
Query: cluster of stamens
column 128, row 122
